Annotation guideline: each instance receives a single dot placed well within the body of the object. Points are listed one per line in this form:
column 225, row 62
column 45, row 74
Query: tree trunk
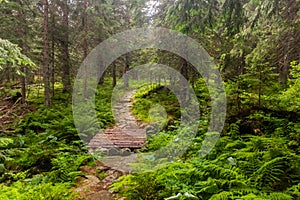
column 184, row 78
column 127, row 55
column 114, row 75
column 66, row 79
column 8, row 75
column 85, row 47
column 21, row 44
column 101, row 74
column 290, row 17
column 47, row 99
column 126, row 69
column 241, row 71
column 52, row 53
column 284, row 72
column 259, row 87
column 114, row 65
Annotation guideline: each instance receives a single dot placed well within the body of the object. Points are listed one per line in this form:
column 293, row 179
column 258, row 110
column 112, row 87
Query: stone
column 114, row 152
column 101, row 195
column 125, row 152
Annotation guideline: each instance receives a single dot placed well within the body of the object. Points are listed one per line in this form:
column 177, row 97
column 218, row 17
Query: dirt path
column 122, row 109
column 99, row 178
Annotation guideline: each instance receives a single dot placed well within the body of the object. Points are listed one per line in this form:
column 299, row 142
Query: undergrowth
column 256, row 157
column 150, row 95
column 41, row 160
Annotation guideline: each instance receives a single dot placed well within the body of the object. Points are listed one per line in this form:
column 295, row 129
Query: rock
column 114, row 152
column 150, row 130
column 93, row 179
column 125, row 152
column 101, row 195
column 88, row 170
column 123, row 126
column 102, row 168
column 112, row 176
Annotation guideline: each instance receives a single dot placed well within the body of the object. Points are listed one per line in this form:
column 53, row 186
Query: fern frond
column 270, row 172
column 222, row 196
column 278, row 196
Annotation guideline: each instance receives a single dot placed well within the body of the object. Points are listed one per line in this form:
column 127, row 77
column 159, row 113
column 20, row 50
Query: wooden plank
column 122, row 138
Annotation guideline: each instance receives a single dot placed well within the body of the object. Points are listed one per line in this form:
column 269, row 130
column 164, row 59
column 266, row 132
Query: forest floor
column 99, row 178
column 11, row 113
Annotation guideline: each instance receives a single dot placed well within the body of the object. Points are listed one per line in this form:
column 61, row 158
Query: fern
column 294, row 191
column 250, row 197
column 23, row 191
column 217, row 171
column 5, row 142
column 222, row 196
column 278, row 196
column 270, row 172
column 207, row 187
column 66, row 167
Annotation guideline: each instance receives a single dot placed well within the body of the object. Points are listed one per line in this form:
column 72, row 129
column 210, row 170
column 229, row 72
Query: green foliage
column 270, row 172
column 65, row 167
column 5, row 142
column 103, row 105
column 257, row 156
column 160, row 140
column 26, row 191
column 40, row 120
column 46, row 143
column 157, row 183
column 255, row 159
column 11, row 56
column 289, row 99
column 151, row 95
column 252, row 167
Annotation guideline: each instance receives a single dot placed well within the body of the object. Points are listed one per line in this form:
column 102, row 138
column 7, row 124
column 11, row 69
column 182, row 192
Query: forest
column 201, row 99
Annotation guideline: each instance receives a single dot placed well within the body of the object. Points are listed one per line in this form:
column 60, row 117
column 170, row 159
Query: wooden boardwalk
column 119, row 138
column 126, row 134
